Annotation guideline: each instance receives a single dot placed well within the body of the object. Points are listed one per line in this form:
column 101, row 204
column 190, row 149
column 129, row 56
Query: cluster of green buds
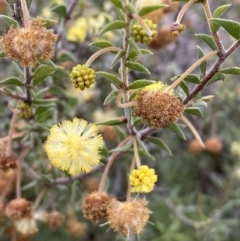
column 82, row 76
column 140, row 34
column 25, row 110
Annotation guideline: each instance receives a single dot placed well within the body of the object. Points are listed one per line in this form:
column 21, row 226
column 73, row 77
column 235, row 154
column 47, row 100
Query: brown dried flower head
column 76, row 228
column 195, row 147
column 55, row 219
column 27, row 45
column 128, row 217
column 8, row 162
column 18, row 209
column 213, row 145
column 158, row 107
column 94, row 206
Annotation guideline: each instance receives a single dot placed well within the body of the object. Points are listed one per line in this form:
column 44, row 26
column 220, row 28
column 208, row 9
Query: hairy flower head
column 143, row 179
column 157, row 106
column 27, row 45
column 74, row 146
column 128, row 217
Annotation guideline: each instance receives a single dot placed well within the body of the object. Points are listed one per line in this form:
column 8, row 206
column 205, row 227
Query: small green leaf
column 113, row 79
column 29, row 185
column 41, row 93
column 131, row 8
column 113, row 95
column 117, row 57
column 47, row 102
column 124, row 148
column 48, row 22
column 60, row 10
column 192, row 78
column 117, row 3
column 203, row 65
column 9, row 21
column 120, row 14
column 137, row 121
column 137, row 67
column 231, row 70
column 101, row 44
column 158, row 142
column 150, row 9
column 184, row 87
column 43, row 116
column 41, row 73
column 67, row 56
column 140, row 84
column 176, row 129
column 144, row 149
column 232, row 27
column 193, row 111
column 2, row 54
column 133, row 54
column 115, row 25
column 134, row 46
column 215, row 78
column 120, row 133
column 11, row 81
column 42, row 109
column 209, row 40
column 217, row 13
column 113, row 122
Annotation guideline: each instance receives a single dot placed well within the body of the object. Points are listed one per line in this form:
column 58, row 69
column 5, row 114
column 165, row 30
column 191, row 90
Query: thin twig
column 212, row 72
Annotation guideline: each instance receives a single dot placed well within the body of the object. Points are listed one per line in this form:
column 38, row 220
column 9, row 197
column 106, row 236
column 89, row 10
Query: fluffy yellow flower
column 74, row 146
column 143, row 179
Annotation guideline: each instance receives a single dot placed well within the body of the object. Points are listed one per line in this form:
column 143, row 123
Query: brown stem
column 214, row 34
column 124, row 105
column 25, row 13
column 39, row 198
column 13, row 95
column 109, row 164
column 212, row 72
column 183, row 10
column 100, row 52
column 10, row 134
column 129, row 186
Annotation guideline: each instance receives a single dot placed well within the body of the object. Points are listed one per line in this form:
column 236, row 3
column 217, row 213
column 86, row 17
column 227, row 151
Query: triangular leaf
column 137, row 67
column 209, row 40
column 231, row 70
column 115, row 25
column 158, row 142
column 150, row 9
column 218, row 13
column 232, row 27
column 193, row 111
column 113, row 79
column 140, row 84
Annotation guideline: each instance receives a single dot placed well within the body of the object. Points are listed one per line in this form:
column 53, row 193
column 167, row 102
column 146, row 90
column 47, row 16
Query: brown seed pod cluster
column 95, row 205
column 18, row 209
column 28, row 45
column 128, row 217
column 55, row 219
column 158, row 108
column 8, row 162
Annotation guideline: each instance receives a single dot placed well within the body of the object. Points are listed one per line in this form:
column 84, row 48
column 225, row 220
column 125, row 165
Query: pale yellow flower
column 143, row 179
column 74, row 146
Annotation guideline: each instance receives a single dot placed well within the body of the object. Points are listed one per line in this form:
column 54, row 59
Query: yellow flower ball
column 143, row 179
column 74, row 146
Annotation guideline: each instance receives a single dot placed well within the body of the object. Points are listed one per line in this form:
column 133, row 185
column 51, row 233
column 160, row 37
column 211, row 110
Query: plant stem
column 136, row 155
column 188, row 71
column 144, row 26
column 214, row 34
column 13, row 95
column 10, row 134
column 39, row 198
column 183, row 10
column 212, row 72
column 109, row 164
column 124, row 105
column 193, row 130
column 100, row 52
column 129, row 186
column 25, row 13
column 28, row 80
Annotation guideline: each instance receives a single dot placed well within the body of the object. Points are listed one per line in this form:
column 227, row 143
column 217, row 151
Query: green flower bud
column 82, row 76
column 139, row 34
column 25, row 110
